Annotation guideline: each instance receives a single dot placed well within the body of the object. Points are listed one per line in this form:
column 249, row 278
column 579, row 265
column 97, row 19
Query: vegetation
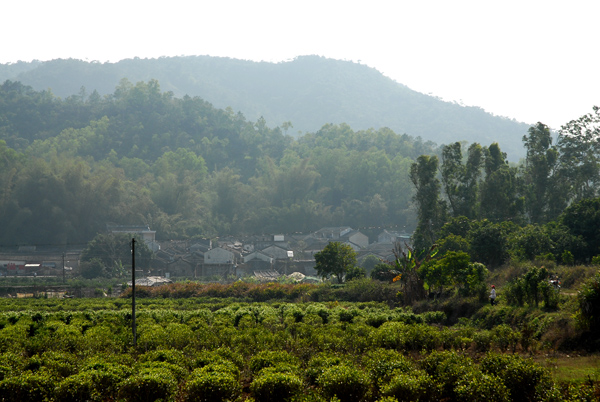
column 306, row 92
column 197, row 349
column 336, row 259
column 140, row 156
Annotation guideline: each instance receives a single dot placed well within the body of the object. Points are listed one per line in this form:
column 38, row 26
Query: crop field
column 215, row 349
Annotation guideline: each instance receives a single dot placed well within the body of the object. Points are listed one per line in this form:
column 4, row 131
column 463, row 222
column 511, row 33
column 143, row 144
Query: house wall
column 218, row 256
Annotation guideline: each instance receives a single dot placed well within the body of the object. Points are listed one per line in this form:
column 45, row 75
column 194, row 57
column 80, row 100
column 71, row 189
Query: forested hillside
column 308, row 92
column 186, row 168
column 143, row 156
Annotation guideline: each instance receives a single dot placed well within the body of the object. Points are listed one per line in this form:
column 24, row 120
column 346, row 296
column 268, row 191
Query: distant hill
column 309, row 91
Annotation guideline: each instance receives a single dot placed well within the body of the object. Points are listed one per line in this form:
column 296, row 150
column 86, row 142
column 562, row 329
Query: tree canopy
column 336, row 259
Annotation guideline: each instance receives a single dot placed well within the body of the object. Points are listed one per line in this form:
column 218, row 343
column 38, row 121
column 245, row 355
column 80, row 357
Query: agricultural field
column 288, row 342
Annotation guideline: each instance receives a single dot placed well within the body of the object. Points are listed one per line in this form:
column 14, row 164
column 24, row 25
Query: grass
column 571, row 368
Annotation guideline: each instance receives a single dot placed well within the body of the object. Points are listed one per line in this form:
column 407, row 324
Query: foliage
column 489, row 243
column 413, row 386
column 408, row 263
column 271, row 386
column 355, row 273
column 384, row 272
column 343, row 382
column 278, row 349
column 525, row 380
column 149, row 385
column 336, row 259
column 430, row 209
column 27, row 387
column 107, row 254
column 209, row 385
column 532, row 287
column 273, row 358
column 583, row 219
column 589, row 303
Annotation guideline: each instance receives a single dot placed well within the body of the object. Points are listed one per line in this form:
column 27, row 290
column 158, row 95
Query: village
column 266, row 258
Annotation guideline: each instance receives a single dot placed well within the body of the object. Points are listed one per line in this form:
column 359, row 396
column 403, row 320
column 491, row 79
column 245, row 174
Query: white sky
column 528, row 60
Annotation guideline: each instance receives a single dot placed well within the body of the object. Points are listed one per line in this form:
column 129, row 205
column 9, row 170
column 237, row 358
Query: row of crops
column 194, row 350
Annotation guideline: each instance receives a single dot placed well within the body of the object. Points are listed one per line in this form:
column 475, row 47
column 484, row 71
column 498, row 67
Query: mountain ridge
column 308, row 91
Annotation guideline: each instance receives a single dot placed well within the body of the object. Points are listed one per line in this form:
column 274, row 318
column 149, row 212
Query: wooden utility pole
column 133, row 292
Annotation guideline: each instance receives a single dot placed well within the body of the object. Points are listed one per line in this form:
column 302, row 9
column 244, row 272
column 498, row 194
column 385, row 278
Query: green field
column 214, row 348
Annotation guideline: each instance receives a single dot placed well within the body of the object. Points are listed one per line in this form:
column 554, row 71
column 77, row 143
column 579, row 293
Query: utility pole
column 133, row 292
column 63, row 258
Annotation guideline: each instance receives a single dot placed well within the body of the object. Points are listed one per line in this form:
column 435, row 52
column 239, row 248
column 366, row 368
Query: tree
column 108, row 254
column 538, row 173
column 583, row 219
column 430, row 209
column 461, row 180
column 336, row 259
column 384, row 272
column 500, row 199
column 489, row 243
column 409, row 263
column 579, row 162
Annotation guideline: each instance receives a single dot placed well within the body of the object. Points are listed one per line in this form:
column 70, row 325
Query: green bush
column 588, row 299
column 28, row 387
column 414, row 386
column 346, row 383
column 271, row 358
column 208, row 385
column 219, row 356
column 525, row 380
column 273, row 386
column 172, row 356
column 481, row 387
column 504, row 337
column 382, row 364
column 447, row 368
column 77, row 388
column 149, row 385
column 319, row 363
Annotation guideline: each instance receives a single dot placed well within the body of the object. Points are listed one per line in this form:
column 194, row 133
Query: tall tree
column 500, row 200
column 579, row 147
column 538, row 173
column 461, row 179
column 430, row 208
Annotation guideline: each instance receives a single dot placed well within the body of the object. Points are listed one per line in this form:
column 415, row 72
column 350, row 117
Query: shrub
column 375, row 320
column 60, row 364
column 589, row 304
column 481, row 387
column 219, row 356
column 149, row 385
column 346, row 315
column 346, row 383
column 416, row 386
column 28, row 387
column 76, row 388
column 390, row 335
column 320, row 363
column 271, row 386
column 172, row 356
column 447, row 368
column 382, row 364
column 206, row 385
column 525, row 380
column 270, row 358
column 505, row 337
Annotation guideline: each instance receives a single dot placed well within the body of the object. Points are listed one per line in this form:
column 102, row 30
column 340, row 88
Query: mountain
column 309, row 91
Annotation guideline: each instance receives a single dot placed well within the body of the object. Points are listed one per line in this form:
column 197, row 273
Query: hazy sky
column 527, row 60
